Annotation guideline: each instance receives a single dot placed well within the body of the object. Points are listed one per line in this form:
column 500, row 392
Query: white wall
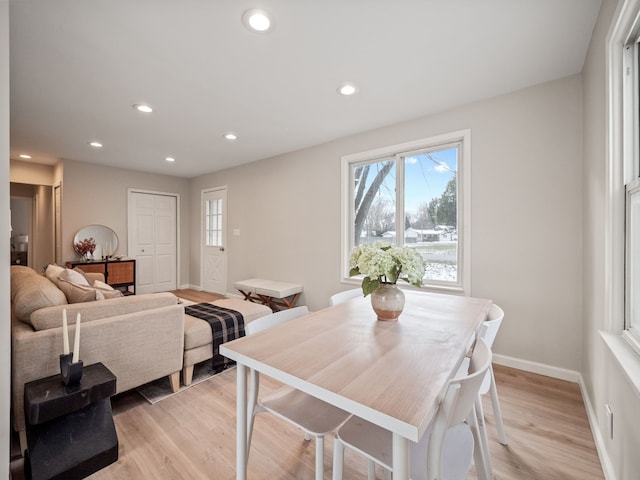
column 526, row 214
column 5, row 326
column 94, row 194
column 604, row 379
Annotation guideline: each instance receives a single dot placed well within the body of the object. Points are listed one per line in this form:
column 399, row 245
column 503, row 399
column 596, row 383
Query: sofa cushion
column 104, row 291
column 51, row 317
column 32, row 293
column 76, row 293
column 75, row 276
column 19, row 272
column 53, row 271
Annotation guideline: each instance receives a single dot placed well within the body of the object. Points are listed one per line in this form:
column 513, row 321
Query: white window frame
column 463, row 137
column 622, row 160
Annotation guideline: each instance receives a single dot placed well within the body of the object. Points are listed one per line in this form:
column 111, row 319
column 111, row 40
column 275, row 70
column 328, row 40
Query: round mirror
column 105, row 240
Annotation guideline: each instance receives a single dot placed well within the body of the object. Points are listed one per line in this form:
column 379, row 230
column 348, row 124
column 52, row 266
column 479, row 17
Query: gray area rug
column 160, row 389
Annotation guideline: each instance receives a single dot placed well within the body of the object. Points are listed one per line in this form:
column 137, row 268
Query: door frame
column 130, row 246
column 202, row 232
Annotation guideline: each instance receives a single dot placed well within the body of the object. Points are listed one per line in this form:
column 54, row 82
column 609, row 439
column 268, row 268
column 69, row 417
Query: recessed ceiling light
column 25, row 156
column 95, row 144
column 230, row 136
column 256, row 20
column 143, row 108
column 347, row 89
column 170, row 159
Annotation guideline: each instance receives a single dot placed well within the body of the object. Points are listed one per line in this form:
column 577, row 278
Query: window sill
column 626, row 356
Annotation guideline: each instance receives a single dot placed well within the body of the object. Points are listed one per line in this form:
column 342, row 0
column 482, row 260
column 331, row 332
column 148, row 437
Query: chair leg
column 497, row 414
column 338, row 459
column 319, row 457
column 480, row 454
column 371, row 470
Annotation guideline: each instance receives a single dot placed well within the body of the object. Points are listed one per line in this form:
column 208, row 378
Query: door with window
column 214, row 240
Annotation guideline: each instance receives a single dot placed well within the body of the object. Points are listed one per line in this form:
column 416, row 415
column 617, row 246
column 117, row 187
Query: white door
column 153, row 239
column 214, row 240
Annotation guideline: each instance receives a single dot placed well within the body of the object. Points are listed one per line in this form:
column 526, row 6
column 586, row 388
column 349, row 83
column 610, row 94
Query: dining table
column 390, row 373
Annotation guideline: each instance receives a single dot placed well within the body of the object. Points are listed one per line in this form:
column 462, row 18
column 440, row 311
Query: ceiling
column 78, row 66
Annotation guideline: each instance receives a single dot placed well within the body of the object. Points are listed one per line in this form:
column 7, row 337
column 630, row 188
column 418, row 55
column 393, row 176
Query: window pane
column 374, row 201
column 633, row 261
column 213, row 220
column 431, row 213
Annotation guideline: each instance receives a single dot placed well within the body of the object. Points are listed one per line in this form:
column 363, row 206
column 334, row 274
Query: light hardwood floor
column 191, row 435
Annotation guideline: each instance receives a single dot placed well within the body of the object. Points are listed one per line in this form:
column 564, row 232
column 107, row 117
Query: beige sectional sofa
column 139, row 338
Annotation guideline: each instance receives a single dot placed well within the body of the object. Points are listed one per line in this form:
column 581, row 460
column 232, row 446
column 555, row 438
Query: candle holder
column 71, row 372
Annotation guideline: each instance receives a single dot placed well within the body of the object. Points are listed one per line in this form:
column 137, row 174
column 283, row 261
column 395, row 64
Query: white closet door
column 154, row 234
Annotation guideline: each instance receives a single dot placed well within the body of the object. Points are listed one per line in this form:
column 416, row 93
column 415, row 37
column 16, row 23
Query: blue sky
column 426, row 176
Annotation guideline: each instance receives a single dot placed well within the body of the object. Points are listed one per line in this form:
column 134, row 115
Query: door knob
column 222, row 249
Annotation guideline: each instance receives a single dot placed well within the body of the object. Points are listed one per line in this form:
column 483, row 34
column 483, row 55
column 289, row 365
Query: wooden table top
column 390, row 373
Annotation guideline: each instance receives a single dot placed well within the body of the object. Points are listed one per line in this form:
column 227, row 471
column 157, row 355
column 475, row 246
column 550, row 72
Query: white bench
column 275, row 295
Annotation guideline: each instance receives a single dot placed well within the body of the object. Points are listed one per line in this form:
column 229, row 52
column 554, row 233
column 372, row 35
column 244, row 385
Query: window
column 417, row 195
column 622, row 220
column 213, row 219
column 631, row 180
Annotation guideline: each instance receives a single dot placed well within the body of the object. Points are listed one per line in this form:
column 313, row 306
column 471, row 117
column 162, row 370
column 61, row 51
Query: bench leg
column 250, row 298
column 187, row 374
column 174, row 379
column 280, row 303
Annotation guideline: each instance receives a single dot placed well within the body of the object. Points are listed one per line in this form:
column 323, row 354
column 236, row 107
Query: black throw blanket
column 226, row 325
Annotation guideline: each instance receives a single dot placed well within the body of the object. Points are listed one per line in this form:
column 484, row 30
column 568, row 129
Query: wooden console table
column 120, row 274
column 70, row 430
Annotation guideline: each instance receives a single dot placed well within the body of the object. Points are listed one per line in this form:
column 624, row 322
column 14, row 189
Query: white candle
column 76, row 342
column 65, row 333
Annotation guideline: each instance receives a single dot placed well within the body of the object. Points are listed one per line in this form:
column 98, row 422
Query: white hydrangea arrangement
column 384, row 263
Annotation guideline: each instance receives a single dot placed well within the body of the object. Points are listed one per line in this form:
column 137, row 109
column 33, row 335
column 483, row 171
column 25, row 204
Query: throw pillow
column 104, row 291
column 74, row 277
column 102, row 294
column 53, row 271
column 102, row 285
column 76, row 293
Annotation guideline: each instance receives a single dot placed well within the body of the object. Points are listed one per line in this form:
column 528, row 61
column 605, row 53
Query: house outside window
column 414, row 194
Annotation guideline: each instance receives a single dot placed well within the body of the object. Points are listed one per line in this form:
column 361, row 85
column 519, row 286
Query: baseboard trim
column 605, row 460
column 574, row 377
column 539, row 368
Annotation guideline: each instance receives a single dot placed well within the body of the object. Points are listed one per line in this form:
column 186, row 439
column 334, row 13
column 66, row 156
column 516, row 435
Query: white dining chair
column 342, row 297
column 488, row 332
column 306, row 412
column 445, row 450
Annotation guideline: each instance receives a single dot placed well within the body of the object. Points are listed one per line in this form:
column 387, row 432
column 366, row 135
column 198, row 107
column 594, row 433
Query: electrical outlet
column 609, row 412
column 236, row 232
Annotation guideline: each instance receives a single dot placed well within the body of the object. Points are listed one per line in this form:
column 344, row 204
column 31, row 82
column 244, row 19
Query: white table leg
column 400, row 457
column 241, row 422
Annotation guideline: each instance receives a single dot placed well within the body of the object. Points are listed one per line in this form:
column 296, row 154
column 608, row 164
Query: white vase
column 388, row 302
